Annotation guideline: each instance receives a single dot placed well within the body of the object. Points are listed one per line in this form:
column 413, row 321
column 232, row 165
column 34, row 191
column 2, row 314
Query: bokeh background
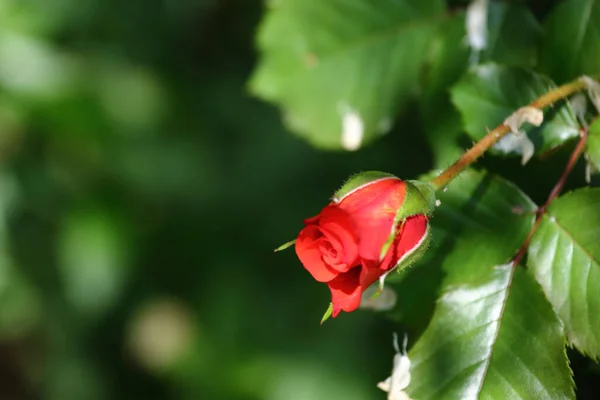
column 142, row 192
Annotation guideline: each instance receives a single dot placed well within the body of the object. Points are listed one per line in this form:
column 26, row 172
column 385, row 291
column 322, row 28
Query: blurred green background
column 142, row 192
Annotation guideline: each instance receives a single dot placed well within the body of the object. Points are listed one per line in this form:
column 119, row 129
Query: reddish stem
column 583, row 133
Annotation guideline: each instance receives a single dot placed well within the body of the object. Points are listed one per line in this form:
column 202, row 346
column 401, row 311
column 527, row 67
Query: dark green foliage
column 483, row 326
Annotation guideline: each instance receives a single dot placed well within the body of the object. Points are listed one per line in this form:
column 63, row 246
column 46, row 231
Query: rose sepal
column 328, row 313
column 428, row 200
column 358, row 181
column 285, row 246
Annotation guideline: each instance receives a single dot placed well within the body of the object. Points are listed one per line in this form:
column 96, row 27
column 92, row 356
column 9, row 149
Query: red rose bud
column 375, row 223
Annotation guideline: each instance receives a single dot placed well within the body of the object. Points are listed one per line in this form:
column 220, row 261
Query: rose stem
column 497, row 133
column 554, row 193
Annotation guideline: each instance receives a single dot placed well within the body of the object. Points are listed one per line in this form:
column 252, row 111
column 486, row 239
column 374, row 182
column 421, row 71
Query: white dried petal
column 400, row 378
column 516, row 143
column 476, row 24
column 529, row 114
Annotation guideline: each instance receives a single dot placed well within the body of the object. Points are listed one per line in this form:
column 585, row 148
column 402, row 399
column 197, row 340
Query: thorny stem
column 553, row 194
column 497, row 133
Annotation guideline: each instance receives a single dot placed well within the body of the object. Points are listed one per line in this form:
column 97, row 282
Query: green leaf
column 449, row 58
column 481, row 206
column 493, row 336
column 593, row 144
column 513, row 35
column 490, row 93
column 572, row 40
column 564, row 257
column 340, row 69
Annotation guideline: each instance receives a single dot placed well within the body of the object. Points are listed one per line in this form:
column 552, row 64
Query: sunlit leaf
column 492, row 330
column 493, row 336
column 340, row 69
column 564, row 256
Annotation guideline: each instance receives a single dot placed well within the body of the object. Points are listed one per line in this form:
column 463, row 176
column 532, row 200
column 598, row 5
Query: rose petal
column 309, row 253
column 373, row 234
column 312, row 220
column 373, row 209
column 333, row 255
column 409, row 237
column 371, row 196
column 411, row 234
column 338, row 229
column 370, row 273
column 346, row 291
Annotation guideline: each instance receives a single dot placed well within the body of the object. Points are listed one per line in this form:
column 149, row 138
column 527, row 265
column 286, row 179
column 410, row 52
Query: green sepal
column 359, row 180
column 285, row 246
column 418, row 199
column 328, row 313
column 428, row 195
